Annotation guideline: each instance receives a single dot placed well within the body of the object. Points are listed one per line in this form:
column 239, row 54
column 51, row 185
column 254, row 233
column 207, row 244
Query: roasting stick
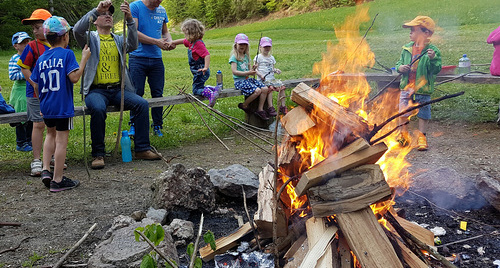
column 60, row 262
column 254, row 230
column 152, row 245
column 84, row 106
column 122, row 100
column 205, row 107
column 195, row 249
column 204, row 122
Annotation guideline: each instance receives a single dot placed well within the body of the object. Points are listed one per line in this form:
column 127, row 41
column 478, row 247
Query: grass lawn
column 298, row 42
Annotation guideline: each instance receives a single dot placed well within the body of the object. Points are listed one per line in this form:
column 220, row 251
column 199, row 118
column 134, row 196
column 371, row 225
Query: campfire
column 338, row 171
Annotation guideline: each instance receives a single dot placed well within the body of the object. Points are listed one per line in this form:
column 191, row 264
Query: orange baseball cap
column 37, row 15
column 422, row 21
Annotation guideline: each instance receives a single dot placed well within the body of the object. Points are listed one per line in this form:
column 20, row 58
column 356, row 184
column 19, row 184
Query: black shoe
column 46, row 177
column 65, row 184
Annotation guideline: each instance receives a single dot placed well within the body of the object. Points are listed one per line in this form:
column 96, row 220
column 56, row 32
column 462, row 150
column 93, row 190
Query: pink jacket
column 494, row 39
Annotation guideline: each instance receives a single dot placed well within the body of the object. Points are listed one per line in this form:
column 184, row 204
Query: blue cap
column 19, row 37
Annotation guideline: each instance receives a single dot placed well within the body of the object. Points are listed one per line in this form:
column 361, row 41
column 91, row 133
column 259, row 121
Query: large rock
column 448, row 189
column 121, row 249
column 178, row 189
column 489, row 188
column 229, row 181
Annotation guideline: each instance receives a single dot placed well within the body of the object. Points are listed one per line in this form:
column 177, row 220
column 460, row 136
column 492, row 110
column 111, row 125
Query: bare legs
column 55, row 144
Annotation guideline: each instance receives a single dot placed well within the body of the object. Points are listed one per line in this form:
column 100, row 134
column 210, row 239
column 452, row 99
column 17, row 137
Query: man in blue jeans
column 146, row 61
column 102, row 83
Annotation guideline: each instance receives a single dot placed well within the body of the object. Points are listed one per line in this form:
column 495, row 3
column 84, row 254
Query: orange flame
column 351, row 54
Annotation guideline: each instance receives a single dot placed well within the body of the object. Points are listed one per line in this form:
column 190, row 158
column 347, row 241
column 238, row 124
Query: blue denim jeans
column 98, row 99
column 153, row 69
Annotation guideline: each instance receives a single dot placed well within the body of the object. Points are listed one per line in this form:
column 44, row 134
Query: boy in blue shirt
column 54, row 74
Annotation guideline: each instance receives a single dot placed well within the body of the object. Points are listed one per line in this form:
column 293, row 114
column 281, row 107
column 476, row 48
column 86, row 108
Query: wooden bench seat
column 380, row 78
column 153, row 102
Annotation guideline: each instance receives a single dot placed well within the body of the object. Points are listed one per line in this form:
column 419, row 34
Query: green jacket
column 427, row 69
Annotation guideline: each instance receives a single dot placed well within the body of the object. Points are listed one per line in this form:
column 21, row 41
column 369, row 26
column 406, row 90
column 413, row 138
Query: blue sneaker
column 157, row 131
column 131, row 132
column 25, row 148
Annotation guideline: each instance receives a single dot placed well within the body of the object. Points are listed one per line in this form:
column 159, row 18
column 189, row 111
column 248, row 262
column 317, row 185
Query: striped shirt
column 14, row 69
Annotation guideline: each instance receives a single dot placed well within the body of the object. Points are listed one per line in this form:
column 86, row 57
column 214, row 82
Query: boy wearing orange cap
column 419, row 64
column 27, row 61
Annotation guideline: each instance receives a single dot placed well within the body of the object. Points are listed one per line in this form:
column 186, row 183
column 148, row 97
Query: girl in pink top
column 494, row 39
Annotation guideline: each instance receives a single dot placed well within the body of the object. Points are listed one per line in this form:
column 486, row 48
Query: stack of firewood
column 336, row 226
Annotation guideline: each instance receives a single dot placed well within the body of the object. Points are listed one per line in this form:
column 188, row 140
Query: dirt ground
column 52, row 223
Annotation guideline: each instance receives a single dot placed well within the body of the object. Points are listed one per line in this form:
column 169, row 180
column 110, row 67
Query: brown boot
column 98, row 162
column 147, row 155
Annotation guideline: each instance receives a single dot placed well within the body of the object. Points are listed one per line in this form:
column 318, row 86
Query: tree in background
column 13, row 11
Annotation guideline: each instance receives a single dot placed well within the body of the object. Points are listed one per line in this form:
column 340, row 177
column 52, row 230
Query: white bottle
column 464, row 65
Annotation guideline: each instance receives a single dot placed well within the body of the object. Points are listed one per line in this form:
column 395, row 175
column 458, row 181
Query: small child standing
column 265, row 73
column 199, row 59
column 27, row 61
column 18, row 93
column 419, row 64
column 54, row 75
column 250, row 87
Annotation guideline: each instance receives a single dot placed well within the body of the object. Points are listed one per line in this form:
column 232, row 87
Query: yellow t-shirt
column 108, row 69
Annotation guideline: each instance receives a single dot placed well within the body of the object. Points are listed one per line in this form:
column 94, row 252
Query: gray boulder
column 229, row 181
column 181, row 189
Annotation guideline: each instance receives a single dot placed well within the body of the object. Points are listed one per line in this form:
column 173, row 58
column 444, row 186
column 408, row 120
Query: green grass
column 298, row 42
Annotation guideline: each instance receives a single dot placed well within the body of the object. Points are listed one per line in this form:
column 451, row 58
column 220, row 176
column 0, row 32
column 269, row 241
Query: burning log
column 367, row 239
column 353, row 155
column 354, row 190
column 326, row 109
column 297, row 121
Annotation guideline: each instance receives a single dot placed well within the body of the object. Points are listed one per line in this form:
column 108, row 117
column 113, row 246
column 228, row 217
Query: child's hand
column 125, row 8
column 404, row 68
column 170, row 45
column 103, row 6
column 204, row 70
column 431, row 53
column 278, row 71
column 255, row 66
column 252, row 72
column 86, row 53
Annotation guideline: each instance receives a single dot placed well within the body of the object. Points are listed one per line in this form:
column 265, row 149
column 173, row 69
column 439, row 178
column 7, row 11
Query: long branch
column 60, row 262
column 156, row 249
column 195, row 250
column 379, row 127
column 254, row 230
column 401, row 231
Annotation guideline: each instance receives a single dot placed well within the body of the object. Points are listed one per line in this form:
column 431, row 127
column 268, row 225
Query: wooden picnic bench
column 153, row 102
column 381, row 79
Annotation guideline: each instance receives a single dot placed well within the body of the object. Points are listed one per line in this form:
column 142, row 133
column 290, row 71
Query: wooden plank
column 296, row 253
column 319, row 237
column 344, row 253
column 263, row 217
column 367, row 239
column 422, row 234
column 355, row 189
column 327, row 110
column 225, row 243
column 410, row 258
column 297, row 121
column 337, row 164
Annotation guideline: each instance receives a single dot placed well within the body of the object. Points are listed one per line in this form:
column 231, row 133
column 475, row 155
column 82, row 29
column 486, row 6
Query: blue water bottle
column 125, row 143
